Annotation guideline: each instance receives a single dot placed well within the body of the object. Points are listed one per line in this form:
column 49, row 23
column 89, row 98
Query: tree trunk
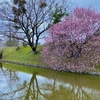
column 1, row 54
column 34, row 50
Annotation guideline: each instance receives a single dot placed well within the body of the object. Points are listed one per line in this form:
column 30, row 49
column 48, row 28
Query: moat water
column 27, row 83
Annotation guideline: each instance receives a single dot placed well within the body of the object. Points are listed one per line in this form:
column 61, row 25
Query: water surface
column 27, row 83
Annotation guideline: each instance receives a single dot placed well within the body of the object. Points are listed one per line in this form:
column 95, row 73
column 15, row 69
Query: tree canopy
column 30, row 18
column 74, row 43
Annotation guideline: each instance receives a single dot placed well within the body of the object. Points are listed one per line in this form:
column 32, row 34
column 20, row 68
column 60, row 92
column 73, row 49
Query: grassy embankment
column 23, row 54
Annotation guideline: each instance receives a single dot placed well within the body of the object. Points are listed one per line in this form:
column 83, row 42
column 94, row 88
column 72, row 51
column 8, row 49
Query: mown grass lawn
column 23, row 54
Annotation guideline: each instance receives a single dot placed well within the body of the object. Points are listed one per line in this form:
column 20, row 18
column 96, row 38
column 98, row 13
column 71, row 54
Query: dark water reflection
column 41, row 84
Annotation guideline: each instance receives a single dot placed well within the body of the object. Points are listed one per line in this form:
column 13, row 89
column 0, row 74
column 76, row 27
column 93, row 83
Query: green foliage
column 15, row 20
column 15, row 1
column 23, row 10
column 16, row 27
column 58, row 14
column 19, row 1
column 18, row 11
column 19, row 8
column 23, row 1
column 43, row 4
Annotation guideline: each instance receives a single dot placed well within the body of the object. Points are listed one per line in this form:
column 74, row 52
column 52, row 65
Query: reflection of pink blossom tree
column 74, row 43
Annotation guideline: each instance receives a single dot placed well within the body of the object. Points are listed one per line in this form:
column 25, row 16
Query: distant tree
column 74, row 43
column 31, row 18
column 11, row 42
column 58, row 14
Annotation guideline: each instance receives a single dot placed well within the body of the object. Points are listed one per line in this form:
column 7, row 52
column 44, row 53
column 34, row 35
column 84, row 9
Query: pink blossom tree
column 74, row 43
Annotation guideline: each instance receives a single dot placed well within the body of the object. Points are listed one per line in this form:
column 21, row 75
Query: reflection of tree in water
column 0, row 65
column 11, row 76
column 33, row 91
column 59, row 91
column 26, row 91
column 51, row 90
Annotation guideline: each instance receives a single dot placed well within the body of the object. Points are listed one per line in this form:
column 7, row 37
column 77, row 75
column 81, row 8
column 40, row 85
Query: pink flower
column 74, row 43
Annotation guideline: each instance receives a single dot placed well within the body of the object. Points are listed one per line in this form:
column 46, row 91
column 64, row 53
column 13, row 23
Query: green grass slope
column 23, row 54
